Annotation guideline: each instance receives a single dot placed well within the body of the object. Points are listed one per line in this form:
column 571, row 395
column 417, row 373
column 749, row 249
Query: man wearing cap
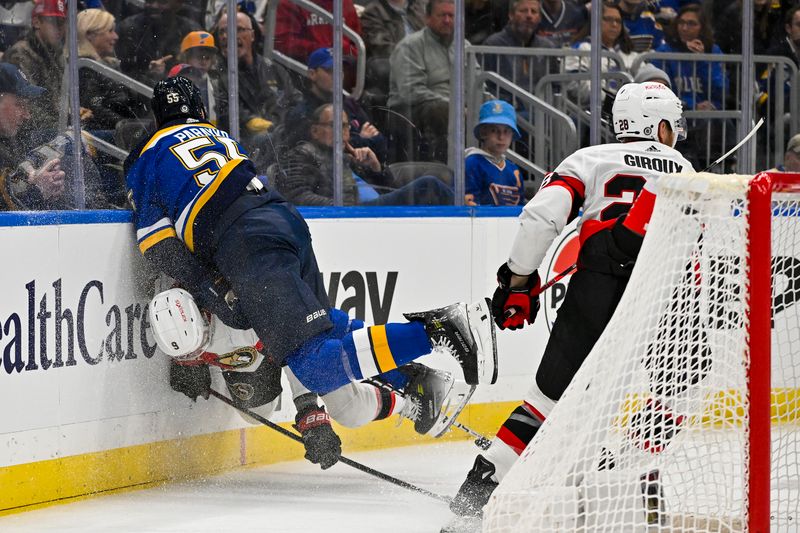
column 21, row 185
column 40, row 56
column 649, row 72
column 319, row 91
column 266, row 91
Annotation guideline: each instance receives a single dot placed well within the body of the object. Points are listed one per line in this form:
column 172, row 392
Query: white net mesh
column 651, row 435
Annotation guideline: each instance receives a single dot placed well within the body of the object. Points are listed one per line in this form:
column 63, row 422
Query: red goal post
column 686, row 415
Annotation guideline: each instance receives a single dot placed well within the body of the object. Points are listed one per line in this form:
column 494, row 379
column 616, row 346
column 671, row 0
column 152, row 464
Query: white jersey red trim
column 601, row 181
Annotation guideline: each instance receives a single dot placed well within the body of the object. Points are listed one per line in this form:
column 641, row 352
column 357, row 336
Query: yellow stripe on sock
column 380, row 347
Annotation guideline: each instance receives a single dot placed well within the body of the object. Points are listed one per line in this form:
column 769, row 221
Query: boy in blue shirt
column 491, row 179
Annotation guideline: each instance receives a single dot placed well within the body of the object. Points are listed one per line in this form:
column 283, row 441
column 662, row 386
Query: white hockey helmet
column 640, row 107
column 180, row 329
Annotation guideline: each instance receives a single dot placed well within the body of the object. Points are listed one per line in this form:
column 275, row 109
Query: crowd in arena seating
column 404, row 112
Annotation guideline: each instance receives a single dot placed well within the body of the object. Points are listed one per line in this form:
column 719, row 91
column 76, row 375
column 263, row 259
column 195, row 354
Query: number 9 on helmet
column 180, row 329
column 639, row 108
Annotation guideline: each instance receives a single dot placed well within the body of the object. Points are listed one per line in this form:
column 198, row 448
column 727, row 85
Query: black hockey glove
column 216, row 296
column 323, row 446
column 193, row 381
column 512, row 307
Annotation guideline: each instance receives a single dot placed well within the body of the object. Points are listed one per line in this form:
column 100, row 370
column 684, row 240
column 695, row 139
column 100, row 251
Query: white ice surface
column 286, row 497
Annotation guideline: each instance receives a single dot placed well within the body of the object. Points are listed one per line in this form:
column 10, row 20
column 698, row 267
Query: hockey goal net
column 684, row 417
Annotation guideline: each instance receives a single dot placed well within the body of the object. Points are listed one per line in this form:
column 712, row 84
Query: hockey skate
column 467, row 333
column 476, row 489
column 425, row 395
column 453, row 404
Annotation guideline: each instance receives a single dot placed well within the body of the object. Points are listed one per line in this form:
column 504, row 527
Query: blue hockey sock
column 378, row 349
column 395, row 378
column 326, row 363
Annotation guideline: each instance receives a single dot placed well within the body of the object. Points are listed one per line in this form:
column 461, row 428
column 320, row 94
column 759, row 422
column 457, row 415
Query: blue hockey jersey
column 490, row 183
column 184, row 178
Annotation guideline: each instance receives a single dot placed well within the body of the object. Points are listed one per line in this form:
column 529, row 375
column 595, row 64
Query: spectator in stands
column 614, row 38
column 108, row 102
column 789, row 44
column 524, row 17
column 22, row 186
column 700, row 84
column 308, row 175
column 40, row 57
column 149, row 42
column 478, row 17
column 387, row 22
column 298, row 32
column 649, row 72
column 563, row 22
column 384, row 24
column 15, row 20
column 319, row 91
column 491, row 179
column 767, row 22
column 421, row 69
column 266, row 91
column 791, row 157
column 198, row 58
column 640, row 22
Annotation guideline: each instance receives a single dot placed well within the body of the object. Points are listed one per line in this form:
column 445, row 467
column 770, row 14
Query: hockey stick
column 741, row 143
column 480, row 441
column 343, row 459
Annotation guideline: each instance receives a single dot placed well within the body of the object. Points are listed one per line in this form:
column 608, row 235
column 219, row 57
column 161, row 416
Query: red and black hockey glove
column 323, row 446
column 511, row 308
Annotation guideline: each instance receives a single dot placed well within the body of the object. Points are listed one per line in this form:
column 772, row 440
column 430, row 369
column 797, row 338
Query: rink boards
column 87, row 403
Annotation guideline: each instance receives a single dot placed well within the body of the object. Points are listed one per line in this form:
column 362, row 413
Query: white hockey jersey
column 602, row 181
column 233, row 349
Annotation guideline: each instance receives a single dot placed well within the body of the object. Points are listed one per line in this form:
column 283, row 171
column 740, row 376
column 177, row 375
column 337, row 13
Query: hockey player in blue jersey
column 491, row 179
column 203, row 217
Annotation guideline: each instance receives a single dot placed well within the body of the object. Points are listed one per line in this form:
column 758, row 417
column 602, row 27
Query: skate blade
column 454, row 403
column 483, row 331
column 463, row 524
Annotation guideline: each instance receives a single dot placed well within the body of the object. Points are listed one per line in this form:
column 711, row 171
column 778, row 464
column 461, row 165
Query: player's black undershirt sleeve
column 172, row 257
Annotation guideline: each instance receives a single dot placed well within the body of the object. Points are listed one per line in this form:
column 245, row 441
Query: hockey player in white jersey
column 602, row 181
column 197, row 341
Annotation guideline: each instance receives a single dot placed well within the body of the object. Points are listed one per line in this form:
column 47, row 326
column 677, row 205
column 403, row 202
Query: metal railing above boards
column 549, row 74
column 540, row 151
column 776, row 99
column 300, row 68
column 554, row 94
column 564, row 92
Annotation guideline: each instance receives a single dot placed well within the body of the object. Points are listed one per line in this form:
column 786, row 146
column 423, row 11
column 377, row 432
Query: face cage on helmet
column 680, row 129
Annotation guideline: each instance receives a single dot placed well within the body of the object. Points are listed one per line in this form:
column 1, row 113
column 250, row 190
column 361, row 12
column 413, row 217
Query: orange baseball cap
column 197, row 39
column 49, row 8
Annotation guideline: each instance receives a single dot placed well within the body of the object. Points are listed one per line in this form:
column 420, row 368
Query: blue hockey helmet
column 497, row 112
